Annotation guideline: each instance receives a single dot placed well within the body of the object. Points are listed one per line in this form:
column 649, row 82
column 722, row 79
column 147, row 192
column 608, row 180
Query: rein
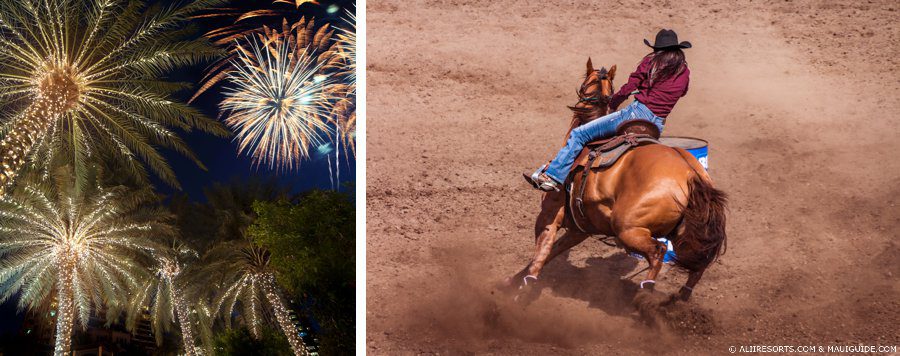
column 598, row 100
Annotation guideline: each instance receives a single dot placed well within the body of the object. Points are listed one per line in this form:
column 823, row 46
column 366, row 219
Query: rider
column 660, row 80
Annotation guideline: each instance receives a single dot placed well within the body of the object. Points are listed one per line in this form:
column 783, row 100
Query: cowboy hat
column 665, row 39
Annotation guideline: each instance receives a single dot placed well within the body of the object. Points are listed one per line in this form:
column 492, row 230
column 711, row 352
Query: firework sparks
column 302, row 33
column 333, row 50
column 279, row 104
column 84, row 247
column 346, row 50
column 344, row 112
column 83, row 76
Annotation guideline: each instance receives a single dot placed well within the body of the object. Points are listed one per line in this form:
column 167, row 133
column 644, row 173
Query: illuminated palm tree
column 81, row 78
column 246, row 279
column 80, row 246
column 164, row 294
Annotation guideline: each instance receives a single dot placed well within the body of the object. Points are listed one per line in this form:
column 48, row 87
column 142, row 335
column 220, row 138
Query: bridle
column 598, row 100
column 598, row 97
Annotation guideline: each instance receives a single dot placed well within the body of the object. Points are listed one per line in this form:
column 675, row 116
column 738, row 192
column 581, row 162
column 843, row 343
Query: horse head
column 594, row 94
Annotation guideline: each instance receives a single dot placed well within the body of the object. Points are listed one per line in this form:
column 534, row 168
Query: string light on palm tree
column 80, row 247
column 83, row 76
column 164, row 294
column 248, row 279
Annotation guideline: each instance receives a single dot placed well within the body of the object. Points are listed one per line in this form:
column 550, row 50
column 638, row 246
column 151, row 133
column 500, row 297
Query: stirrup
column 548, row 185
column 545, row 183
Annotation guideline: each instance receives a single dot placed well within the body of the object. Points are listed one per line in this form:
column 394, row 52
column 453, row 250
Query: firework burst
column 81, row 249
column 302, row 33
column 81, row 78
column 279, row 103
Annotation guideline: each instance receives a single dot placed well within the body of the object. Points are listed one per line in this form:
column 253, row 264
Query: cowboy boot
column 541, row 181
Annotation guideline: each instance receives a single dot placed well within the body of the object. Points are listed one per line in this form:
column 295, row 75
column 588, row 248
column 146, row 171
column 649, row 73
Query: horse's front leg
column 545, row 229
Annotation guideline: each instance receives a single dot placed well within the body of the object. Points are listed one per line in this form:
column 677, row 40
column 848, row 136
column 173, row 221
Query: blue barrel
column 669, row 257
column 697, row 147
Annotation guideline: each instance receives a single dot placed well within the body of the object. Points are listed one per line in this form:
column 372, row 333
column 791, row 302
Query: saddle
column 629, row 134
column 601, row 154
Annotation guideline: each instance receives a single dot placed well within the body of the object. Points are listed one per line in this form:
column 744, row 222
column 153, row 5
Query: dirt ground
column 798, row 99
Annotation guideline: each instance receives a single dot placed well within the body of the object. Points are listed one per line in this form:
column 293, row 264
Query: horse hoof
column 525, row 280
column 684, row 294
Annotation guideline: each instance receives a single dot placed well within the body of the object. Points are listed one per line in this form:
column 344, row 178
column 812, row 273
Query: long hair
column 666, row 63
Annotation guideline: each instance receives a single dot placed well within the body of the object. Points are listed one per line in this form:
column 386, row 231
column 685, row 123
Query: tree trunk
column 65, row 310
column 284, row 319
column 26, row 130
column 182, row 313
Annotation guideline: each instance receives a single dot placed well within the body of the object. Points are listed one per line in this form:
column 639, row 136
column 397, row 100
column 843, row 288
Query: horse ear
column 590, row 66
column 612, row 72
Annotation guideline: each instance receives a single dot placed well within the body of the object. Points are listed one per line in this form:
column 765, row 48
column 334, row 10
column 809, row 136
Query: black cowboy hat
column 667, row 38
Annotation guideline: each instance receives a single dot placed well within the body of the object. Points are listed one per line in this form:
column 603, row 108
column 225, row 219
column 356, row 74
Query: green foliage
column 227, row 212
column 312, row 245
column 239, row 342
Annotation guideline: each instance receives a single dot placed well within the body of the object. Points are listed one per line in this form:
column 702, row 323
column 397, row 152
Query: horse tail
column 703, row 237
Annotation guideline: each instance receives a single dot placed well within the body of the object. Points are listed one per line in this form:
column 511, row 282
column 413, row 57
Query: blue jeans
column 601, row 127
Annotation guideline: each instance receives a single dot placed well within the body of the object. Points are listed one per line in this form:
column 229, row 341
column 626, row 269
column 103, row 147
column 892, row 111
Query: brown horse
column 653, row 190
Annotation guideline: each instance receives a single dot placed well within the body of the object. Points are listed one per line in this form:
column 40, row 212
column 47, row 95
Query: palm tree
column 164, row 293
column 82, row 79
column 78, row 246
column 245, row 278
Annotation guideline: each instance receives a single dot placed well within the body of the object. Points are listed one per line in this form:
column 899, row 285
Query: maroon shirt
column 661, row 97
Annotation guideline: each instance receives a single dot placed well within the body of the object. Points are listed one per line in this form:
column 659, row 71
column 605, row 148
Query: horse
column 652, row 190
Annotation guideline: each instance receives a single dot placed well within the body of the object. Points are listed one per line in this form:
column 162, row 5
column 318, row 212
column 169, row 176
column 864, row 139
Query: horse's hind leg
column 640, row 240
column 685, row 292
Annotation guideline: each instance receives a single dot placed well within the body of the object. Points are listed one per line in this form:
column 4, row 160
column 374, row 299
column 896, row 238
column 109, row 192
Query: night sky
column 220, row 155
